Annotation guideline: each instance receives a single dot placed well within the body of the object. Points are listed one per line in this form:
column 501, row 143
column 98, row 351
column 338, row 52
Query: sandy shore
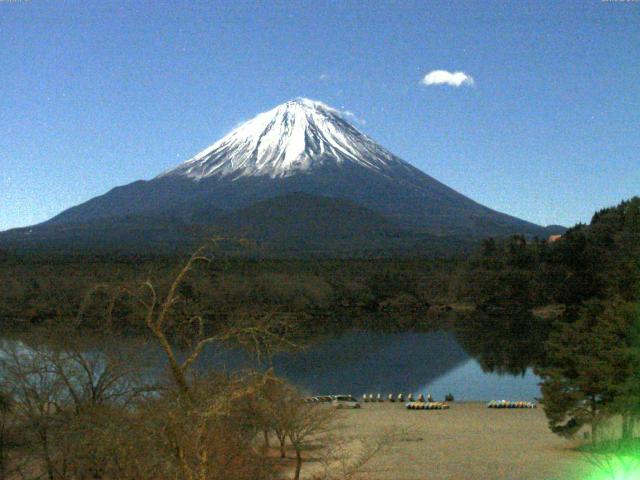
column 468, row 441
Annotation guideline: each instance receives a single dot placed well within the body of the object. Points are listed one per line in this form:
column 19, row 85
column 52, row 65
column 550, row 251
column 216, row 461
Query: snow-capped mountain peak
column 292, row 138
column 285, row 178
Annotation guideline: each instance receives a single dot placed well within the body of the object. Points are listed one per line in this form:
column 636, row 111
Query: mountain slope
column 301, row 146
column 300, row 222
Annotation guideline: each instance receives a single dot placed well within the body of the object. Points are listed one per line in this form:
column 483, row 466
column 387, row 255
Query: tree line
column 571, row 310
column 326, row 294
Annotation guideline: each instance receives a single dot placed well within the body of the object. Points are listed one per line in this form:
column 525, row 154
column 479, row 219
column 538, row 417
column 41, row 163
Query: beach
column 468, row 440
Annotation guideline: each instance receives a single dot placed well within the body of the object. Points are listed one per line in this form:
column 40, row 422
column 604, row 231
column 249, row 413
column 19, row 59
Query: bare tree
column 263, row 335
column 60, row 386
column 38, row 396
column 196, row 421
column 92, row 415
column 307, row 423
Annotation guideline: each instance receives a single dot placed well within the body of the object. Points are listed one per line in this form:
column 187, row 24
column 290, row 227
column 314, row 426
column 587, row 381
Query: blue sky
column 95, row 94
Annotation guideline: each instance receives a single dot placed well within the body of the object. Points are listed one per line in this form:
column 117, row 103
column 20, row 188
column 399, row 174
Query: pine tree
column 589, row 360
column 627, row 401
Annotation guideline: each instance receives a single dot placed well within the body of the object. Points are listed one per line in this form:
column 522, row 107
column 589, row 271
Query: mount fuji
column 298, row 178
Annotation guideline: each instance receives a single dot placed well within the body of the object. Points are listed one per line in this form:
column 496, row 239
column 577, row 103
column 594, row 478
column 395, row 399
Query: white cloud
column 346, row 114
column 324, row 77
column 349, row 114
column 443, row 77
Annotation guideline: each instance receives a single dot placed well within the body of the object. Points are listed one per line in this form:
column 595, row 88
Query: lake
column 359, row 362
column 368, row 362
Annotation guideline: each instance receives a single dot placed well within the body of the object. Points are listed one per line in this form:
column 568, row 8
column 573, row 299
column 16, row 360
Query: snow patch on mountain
column 292, row 138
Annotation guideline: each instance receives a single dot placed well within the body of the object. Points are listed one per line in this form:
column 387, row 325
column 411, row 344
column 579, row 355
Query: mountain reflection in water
column 370, row 362
column 358, row 362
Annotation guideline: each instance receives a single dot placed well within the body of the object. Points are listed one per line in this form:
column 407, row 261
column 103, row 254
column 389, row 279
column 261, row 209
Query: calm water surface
column 367, row 362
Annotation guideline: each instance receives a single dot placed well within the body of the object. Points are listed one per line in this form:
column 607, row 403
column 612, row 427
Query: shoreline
column 468, row 440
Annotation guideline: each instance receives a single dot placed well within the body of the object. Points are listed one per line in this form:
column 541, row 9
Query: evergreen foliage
column 587, row 350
